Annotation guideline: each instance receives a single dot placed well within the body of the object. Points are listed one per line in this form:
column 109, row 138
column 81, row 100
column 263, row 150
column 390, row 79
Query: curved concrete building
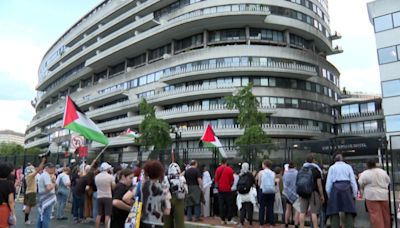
column 184, row 57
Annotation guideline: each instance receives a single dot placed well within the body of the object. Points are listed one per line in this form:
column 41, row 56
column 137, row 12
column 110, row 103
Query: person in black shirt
column 121, row 208
column 193, row 180
column 7, row 191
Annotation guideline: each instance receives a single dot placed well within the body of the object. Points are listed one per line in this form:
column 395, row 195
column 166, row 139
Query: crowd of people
column 171, row 195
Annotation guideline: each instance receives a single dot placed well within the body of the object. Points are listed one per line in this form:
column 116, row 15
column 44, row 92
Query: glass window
column 272, row 82
column 236, row 81
column 205, row 104
column 245, row 81
column 393, row 123
column 387, row 55
column 356, row 127
column 142, row 80
column 391, row 88
column 354, row 108
column 396, row 19
column 371, row 125
column 345, row 128
column 383, row 23
column 264, row 81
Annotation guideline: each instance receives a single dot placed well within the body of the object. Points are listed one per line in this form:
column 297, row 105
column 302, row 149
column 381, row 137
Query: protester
column 155, row 198
column 178, row 189
column 341, row 188
column 121, row 208
column 309, row 189
column 374, row 183
column 104, row 184
column 289, row 192
column 63, row 184
column 234, row 192
column 224, row 179
column 47, row 195
column 7, row 193
column 278, row 206
column 79, row 197
column 31, row 188
column 267, row 197
column 207, row 182
column 247, row 194
column 193, row 180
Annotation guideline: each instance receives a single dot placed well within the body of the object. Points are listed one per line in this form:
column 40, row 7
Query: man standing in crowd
column 224, row 180
column 31, row 188
column 309, row 188
column 193, row 180
column 47, row 195
column 341, row 188
column 104, row 183
column 63, row 184
column 267, row 197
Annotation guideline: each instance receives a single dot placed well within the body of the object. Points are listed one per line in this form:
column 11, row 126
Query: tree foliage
column 254, row 139
column 11, row 149
column 154, row 132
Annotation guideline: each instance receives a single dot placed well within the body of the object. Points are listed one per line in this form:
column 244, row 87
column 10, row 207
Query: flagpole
column 102, row 151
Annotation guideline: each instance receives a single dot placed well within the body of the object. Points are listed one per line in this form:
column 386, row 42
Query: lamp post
column 178, row 136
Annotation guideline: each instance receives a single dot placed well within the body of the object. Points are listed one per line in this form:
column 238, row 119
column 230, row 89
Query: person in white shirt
column 341, row 188
column 207, row 181
column 63, row 184
column 105, row 184
column 374, row 182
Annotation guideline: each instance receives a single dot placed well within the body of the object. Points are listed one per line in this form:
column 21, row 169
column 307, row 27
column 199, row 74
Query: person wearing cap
column 105, row 184
column 47, row 195
column 31, row 188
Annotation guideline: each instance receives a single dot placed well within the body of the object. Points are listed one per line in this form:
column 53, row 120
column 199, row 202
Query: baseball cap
column 73, row 160
column 49, row 165
column 105, row 166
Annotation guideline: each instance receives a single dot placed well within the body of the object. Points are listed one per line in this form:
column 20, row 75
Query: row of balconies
column 372, row 132
column 361, row 114
column 232, row 130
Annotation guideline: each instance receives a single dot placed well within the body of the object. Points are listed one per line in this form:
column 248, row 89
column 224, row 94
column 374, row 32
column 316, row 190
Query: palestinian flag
column 131, row 134
column 209, row 139
column 77, row 121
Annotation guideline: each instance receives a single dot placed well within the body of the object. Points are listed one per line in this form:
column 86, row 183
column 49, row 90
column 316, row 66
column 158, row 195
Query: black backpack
column 305, row 182
column 244, row 183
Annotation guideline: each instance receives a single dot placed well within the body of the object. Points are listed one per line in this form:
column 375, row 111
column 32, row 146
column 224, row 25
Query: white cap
column 105, row 166
column 73, row 160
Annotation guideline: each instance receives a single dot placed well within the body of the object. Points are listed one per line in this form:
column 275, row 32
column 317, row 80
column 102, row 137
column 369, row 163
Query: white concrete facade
column 184, row 56
column 385, row 17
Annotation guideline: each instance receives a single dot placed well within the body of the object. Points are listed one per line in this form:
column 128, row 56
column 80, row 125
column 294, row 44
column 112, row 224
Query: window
column 391, row 88
column 393, row 123
column 396, row 19
column 357, row 127
column 383, row 23
column 371, row 125
column 387, row 55
column 345, row 128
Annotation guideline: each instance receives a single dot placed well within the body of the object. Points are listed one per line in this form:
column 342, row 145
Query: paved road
column 54, row 223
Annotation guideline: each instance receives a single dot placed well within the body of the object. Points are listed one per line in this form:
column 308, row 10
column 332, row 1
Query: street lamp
column 178, row 136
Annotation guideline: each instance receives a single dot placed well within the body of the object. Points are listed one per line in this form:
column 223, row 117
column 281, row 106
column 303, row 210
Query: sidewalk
column 216, row 222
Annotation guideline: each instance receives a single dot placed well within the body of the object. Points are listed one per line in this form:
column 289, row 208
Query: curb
column 201, row 225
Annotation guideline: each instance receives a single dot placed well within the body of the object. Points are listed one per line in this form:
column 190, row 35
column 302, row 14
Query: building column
column 287, row 37
column 147, row 56
column 130, row 113
column 205, row 38
column 173, row 47
column 247, row 29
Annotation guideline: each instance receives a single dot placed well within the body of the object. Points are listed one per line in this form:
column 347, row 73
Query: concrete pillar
column 287, row 37
column 130, row 113
column 173, row 47
column 147, row 56
column 97, row 52
column 247, row 35
column 98, row 38
column 205, row 38
column 137, row 32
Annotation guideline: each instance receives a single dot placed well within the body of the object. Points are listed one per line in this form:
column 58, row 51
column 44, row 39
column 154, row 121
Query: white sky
column 28, row 28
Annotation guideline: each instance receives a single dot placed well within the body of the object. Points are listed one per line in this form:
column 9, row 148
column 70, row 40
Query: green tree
column 11, row 149
column 154, row 132
column 254, row 144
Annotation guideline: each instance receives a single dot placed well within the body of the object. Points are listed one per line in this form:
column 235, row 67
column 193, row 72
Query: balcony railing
column 38, row 142
column 361, row 114
column 33, row 133
column 363, row 132
column 253, row 65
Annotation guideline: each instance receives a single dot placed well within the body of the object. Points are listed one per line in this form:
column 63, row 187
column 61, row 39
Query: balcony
column 274, row 66
column 364, row 133
column 115, row 141
column 39, row 142
column 360, row 116
column 33, row 133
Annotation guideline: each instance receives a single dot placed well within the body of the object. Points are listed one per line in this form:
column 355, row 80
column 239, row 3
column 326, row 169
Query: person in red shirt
column 224, row 180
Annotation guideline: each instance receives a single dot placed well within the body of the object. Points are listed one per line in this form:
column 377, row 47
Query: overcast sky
column 28, row 28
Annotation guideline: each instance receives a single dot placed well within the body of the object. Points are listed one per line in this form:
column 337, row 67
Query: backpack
column 305, row 182
column 267, row 182
column 244, row 183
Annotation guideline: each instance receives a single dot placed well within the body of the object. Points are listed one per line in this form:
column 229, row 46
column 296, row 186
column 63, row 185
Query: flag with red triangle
column 75, row 120
column 209, row 139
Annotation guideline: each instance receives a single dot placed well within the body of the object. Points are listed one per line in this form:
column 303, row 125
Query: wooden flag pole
column 102, row 151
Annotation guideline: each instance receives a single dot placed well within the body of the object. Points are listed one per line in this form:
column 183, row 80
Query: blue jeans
column 46, row 218
column 94, row 202
column 61, row 200
column 78, row 207
column 196, row 212
column 267, row 200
